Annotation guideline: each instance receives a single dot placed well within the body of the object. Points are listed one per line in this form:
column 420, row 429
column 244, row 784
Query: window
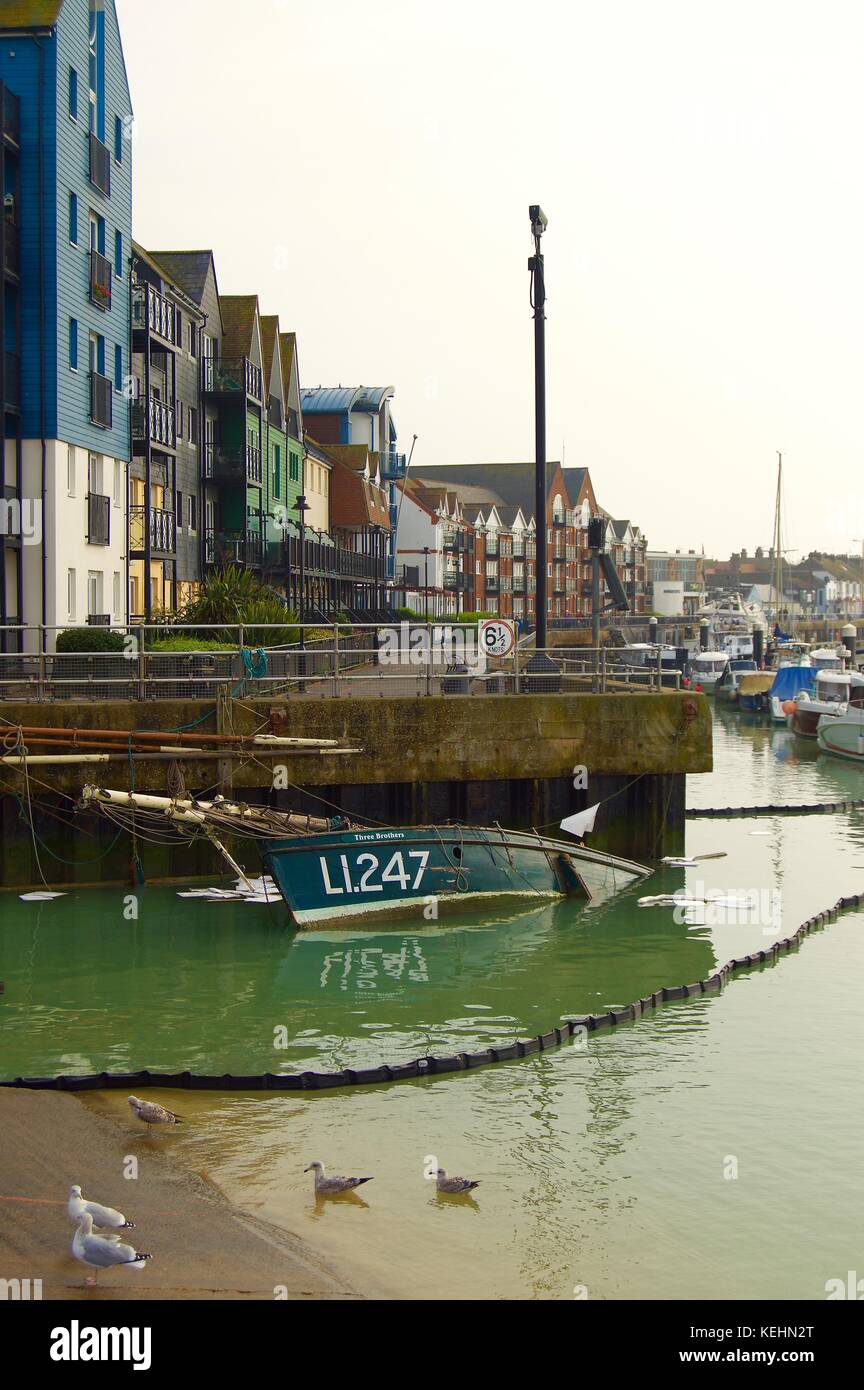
column 118, row 484
column 118, row 616
column 295, row 468
column 118, row 140
column 70, row 595
column 73, row 344
column 94, row 592
column 73, row 218
column 70, row 470
column 192, row 503
column 179, row 511
column 73, row 94
column 277, row 468
column 178, row 329
column 118, row 254
column 180, row 409
column 193, row 340
column 193, row 426
column 118, row 368
column 94, row 474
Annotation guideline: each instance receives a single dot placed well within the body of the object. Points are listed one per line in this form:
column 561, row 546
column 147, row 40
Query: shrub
column 90, row 639
column 188, row 642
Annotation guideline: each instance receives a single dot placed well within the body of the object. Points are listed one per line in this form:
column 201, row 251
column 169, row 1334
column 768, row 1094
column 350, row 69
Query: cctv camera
column 539, row 220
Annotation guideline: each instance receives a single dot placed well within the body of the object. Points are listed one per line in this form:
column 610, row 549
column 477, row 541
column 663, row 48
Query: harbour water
column 710, row 1150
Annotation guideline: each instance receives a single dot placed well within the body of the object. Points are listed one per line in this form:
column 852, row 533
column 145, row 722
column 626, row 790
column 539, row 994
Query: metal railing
column 151, row 310
column 98, row 519
column 154, row 420
column 100, row 165
column 101, row 400
column 163, row 530
column 233, row 465
column 336, row 661
column 100, row 280
column 231, row 376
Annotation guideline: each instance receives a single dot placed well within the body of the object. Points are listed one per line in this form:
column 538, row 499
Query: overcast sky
column 366, row 169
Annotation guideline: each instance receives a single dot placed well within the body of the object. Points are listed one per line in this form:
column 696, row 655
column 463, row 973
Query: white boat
column 843, row 735
column 834, row 690
column 728, row 684
column 829, row 658
column 731, row 623
column 707, row 668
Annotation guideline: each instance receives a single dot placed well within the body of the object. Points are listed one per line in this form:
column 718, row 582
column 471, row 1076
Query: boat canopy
column 789, row 681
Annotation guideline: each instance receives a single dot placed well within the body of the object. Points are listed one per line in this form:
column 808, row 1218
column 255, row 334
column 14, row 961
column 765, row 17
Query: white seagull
column 152, row 1114
column 103, row 1252
column 106, row 1217
column 453, row 1187
column 331, row 1187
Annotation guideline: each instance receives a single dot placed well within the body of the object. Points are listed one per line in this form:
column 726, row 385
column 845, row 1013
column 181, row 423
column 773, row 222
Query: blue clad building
column 67, row 239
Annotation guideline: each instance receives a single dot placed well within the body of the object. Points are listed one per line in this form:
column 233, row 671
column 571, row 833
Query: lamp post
column 426, row 583
column 539, row 223
column 302, row 507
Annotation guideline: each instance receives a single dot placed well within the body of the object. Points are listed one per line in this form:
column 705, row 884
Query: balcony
column 559, row 519
column 587, row 588
column 492, row 547
column 153, row 422
column 455, row 541
column 11, row 246
column 234, row 465
column 492, row 584
column 518, row 584
column 231, row 377
column 10, row 521
column 236, row 548
column 11, row 117
column 560, row 559
column 98, row 519
column 393, row 465
column 162, row 528
column 101, row 400
column 333, row 561
column 457, row 582
column 100, row 281
column 153, row 313
column 518, row 551
column 100, row 165
column 12, row 378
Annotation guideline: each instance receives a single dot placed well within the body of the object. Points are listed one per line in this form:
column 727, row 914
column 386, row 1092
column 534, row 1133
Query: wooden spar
column 197, row 811
column 195, row 740
column 217, row 843
column 56, row 759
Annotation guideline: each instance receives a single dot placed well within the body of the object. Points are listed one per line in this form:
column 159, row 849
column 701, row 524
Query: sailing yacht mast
column 777, row 575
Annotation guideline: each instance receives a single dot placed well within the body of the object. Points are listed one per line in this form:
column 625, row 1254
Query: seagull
column 103, row 1252
column 152, row 1114
column 453, row 1187
column 107, row 1217
column 331, row 1187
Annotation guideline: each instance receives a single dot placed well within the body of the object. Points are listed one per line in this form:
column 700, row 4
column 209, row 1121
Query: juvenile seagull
column 107, row 1217
column 454, row 1187
column 331, row 1187
column 152, row 1114
column 103, row 1252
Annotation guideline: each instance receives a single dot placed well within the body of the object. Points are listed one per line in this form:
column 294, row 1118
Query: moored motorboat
column 843, row 735
column 834, row 689
column 729, row 685
column 754, row 691
column 706, row 669
column 789, row 681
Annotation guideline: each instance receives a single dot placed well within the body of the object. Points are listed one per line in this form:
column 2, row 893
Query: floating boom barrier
column 437, row 1066
column 822, row 808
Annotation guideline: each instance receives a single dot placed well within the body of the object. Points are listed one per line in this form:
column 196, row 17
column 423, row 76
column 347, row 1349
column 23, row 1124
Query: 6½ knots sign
column 497, row 637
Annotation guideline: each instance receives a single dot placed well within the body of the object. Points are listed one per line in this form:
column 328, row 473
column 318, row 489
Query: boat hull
column 843, row 738
column 343, row 876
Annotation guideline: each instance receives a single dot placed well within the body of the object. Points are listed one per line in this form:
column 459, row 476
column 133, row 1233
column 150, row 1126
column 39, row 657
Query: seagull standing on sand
column 152, row 1114
column 106, row 1217
column 453, row 1187
column 331, row 1187
column 103, row 1252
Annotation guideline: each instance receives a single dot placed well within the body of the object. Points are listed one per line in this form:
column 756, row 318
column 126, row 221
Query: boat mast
column 777, row 576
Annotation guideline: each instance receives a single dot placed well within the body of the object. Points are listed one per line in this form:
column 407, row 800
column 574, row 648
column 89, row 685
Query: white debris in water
column 40, row 897
column 254, row 890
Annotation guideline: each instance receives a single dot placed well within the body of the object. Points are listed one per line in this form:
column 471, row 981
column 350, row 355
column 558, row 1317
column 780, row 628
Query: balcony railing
column 491, row 546
column 12, row 366
column 12, row 116
column 162, row 527
column 100, row 165
column 235, row 465
column 101, row 400
column 393, row 465
column 224, row 548
column 151, row 310
column 492, row 584
column 559, row 519
column 231, row 377
column 100, row 280
column 10, row 522
column 154, row 421
column 98, row 519
column 11, row 246
column 458, row 582
column 455, row 540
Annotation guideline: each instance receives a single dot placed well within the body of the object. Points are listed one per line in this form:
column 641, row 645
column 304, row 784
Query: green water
column 600, row 1166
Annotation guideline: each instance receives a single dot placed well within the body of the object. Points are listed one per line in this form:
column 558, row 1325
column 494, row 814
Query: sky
column 366, row 170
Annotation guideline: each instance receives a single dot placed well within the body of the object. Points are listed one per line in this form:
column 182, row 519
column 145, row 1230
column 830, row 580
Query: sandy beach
column 202, row 1247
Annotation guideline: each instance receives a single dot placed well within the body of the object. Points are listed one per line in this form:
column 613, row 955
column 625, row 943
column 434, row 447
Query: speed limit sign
column 497, row 637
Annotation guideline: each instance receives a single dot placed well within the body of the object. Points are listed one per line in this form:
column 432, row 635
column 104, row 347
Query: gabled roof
column 29, row 14
column 504, row 484
column 269, row 342
column 238, row 324
column 355, row 501
column 188, row 268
